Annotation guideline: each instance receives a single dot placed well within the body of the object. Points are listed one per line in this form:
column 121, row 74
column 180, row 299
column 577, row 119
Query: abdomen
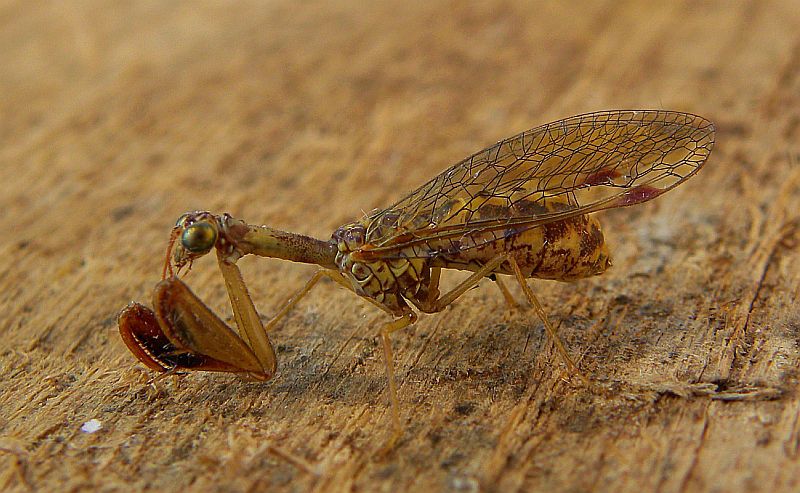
column 564, row 251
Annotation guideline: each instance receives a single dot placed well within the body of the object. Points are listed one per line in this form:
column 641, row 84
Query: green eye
column 200, row 237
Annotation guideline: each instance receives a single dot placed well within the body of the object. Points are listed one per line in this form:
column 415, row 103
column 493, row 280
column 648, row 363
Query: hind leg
column 433, row 306
column 551, row 332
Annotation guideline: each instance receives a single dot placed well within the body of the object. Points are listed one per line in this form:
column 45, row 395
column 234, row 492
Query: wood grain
column 119, row 116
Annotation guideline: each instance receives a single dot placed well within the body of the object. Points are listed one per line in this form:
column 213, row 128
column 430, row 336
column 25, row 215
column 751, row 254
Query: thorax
column 387, row 281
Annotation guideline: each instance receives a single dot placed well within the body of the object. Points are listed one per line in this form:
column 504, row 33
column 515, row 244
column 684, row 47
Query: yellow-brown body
column 564, row 250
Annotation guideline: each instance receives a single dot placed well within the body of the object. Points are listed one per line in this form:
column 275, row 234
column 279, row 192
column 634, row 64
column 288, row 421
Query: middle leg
column 386, row 332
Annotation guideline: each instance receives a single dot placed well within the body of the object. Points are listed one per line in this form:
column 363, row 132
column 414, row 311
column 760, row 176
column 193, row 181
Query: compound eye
column 200, row 237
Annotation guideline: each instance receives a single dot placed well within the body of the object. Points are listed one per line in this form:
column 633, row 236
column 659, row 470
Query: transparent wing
column 566, row 168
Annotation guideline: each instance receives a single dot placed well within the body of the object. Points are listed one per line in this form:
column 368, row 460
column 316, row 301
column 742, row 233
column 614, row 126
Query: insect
column 519, row 208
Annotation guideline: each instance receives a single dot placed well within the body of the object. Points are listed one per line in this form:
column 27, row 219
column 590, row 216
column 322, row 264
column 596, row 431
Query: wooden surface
column 116, row 119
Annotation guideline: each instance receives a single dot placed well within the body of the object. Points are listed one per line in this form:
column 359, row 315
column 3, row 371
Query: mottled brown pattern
column 567, row 250
column 563, row 250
